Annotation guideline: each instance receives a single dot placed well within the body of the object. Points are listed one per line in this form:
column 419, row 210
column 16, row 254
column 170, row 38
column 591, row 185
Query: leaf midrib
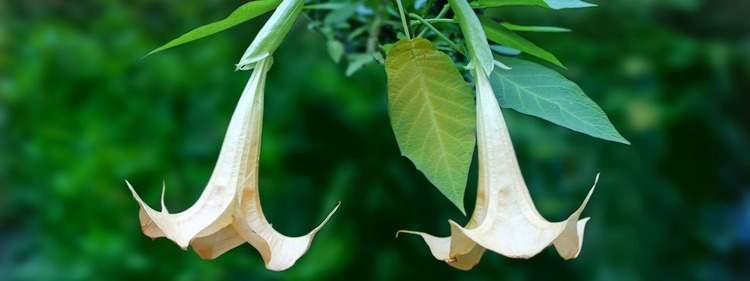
column 423, row 85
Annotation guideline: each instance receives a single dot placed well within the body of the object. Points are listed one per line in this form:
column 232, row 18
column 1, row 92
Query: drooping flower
column 228, row 212
column 505, row 219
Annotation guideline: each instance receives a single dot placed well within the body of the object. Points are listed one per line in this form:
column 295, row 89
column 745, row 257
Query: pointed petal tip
column 330, row 214
column 407, row 232
column 588, row 196
column 328, row 217
column 163, row 190
column 135, row 194
column 591, row 191
column 129, row 185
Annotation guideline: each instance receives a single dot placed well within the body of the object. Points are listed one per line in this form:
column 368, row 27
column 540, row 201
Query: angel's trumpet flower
column 504, row 219
column 228, row 212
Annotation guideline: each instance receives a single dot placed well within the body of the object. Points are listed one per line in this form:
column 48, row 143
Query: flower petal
column 457, row 250
column 512, row 227
column 212, row 211
column 214, row 245
column 279, row 252
column 207, row 213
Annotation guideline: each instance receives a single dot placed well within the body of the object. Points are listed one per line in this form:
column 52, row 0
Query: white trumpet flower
column 228, row 212
column 505, row 219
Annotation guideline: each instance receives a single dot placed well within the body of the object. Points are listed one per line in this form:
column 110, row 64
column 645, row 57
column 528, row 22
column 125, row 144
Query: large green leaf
column 471, row 28
column 501, row 35
column 242, row 14
column 432, row 113
column 552, row 4
column 535, row 90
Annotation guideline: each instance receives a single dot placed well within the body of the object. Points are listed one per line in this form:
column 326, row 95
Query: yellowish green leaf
column 432, row 114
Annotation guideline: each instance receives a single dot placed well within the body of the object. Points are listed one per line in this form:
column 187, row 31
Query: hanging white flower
column 228, row 212
column 505, row 220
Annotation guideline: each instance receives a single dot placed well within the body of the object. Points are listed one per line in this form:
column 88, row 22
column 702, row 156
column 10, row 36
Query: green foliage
column 552, row 4
column 242, row 14
column 535, row 90
column 357, row 61
column 341, row 14
column 566, row 4
column 501, row 35
column 335, row 50
column 432, row 114
column 516, row 27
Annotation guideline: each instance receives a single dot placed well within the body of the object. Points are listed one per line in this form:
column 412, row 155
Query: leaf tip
column 152, row 52
column 622, row 140
column 460, row 205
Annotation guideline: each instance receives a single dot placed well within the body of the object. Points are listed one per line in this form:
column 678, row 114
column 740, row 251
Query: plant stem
column 444, row 11
column 441, row 14
column 403, row 19
column 315, row 25
column 374, row 31
column 436, row 21
column 437, row 32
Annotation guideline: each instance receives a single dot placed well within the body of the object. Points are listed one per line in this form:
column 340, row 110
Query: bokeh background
column 80, row 112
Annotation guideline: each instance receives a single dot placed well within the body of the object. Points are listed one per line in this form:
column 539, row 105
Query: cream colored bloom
column 228, row 212
column 504, row 219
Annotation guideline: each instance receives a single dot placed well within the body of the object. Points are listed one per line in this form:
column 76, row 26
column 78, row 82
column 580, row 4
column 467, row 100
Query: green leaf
column 504, row 50
column 567, row 4
column 335, row 50
column 516, row 27
column 341, row 14
column 552, row 4
column 325, row 6
column 535, row 90
column 357, row 61
column 474, row 35
column 432, row 113
column 501, row 3
column 501, row 35
column 242, row 14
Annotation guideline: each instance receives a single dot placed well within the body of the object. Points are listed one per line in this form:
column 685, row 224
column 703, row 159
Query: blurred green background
column 80, row 112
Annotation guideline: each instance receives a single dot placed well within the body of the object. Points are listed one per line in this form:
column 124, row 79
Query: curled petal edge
column 463, row 252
